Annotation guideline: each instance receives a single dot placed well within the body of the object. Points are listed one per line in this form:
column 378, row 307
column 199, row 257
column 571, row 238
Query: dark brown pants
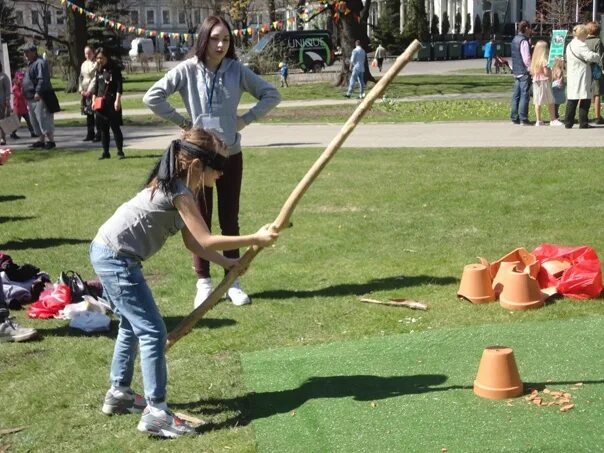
column 228, row 190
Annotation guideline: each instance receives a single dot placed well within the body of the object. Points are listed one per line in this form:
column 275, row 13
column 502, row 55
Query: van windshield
column 262, row 43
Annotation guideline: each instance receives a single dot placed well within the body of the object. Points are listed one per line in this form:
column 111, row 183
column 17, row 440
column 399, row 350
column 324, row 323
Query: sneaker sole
column 159, row 432
column 108, row 409
column 17, row 339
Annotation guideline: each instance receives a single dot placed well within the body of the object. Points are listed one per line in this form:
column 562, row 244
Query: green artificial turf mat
column 413, row 392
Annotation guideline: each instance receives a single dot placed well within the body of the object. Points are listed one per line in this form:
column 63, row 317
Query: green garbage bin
column 425, row 53
column 440, row 50
column 454, row 50
column 507, row 49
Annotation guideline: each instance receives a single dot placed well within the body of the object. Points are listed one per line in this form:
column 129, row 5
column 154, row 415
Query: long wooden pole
column 282, row 221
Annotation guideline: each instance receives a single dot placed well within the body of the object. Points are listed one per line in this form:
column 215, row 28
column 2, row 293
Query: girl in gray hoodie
column 211, row 84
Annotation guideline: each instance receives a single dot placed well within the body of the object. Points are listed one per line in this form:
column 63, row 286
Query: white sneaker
column 556, row 123
column 204, row 289
column 237, row 296
column 538, row 123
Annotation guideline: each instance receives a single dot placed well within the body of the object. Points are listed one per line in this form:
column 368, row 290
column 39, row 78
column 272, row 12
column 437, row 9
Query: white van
column 141, row 46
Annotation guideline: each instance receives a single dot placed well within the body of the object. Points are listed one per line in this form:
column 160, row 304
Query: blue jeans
column 356, row 76
column 489, row 64
column 520, row 98
column 141, row 324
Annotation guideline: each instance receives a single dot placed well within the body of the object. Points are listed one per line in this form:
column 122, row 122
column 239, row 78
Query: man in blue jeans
column 521, row 62
column 357, row 63
column 489, row 50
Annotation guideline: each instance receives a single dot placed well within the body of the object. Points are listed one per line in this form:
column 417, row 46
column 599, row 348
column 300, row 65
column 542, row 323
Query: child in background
column 138, row 229
column 20, row 104
column 542, row 85
column 284, row 72
column 558, row 87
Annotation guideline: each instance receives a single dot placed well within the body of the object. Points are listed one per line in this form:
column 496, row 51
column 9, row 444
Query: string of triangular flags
column 139, row 31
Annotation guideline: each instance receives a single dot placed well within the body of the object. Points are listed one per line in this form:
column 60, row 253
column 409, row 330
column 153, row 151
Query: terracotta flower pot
column 504, row 268
column 521, row 255
column 520, row 291
column 498, row 376
column 476, row 285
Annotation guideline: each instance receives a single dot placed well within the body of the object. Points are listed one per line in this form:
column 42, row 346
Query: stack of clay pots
column 511, row 279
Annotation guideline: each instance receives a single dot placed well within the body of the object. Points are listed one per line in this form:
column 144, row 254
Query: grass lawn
column 400, row 87
column 393, row 223
column 387, row 112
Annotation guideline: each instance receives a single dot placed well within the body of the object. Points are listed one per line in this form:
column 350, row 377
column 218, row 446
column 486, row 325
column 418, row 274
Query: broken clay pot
column 498, row 376
column 504, row 268
column 520, row 291
column 521, row 255
column 476, row 285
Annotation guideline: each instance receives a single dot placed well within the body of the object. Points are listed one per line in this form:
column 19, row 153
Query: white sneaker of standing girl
column 556, row 123
column 235, row 293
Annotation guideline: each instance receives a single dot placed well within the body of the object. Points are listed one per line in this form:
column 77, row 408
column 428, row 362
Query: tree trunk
column 353, row 26
column 271, row 11
column 77, row 37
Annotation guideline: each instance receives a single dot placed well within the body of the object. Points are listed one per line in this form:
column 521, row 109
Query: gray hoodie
column 194, row 82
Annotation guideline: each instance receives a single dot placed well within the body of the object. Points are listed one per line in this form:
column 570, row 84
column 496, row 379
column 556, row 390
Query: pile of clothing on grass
column 70, row 298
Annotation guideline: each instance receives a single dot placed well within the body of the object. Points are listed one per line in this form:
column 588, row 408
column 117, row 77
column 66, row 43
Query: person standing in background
column 357, row 63
column 578, row 78
column 87, row 75
column 5, row 92
column 211, row 84
column 108, row 85
column 35, row 84
column 521, row 62
column 489, row 53
column 597, row 86
column 20, row 104
column 380, row 54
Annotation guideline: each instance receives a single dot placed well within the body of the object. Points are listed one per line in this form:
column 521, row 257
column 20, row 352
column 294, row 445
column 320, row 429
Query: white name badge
column 209, row 122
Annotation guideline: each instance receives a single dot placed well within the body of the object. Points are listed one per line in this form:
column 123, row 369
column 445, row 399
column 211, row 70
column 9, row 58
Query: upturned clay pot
column 498, row 376
column 476, row 285
column 520, row 291
column 504, row 268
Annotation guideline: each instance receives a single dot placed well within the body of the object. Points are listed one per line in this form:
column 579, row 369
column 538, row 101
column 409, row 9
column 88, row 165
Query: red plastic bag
column 574, row 271
column 50, row 302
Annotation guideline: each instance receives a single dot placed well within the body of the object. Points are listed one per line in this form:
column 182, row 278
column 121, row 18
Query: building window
column 35, row 20
column 48, row 17
column 60, row 17
column 197, row 17
column 165, row 16
column 182, row 20
column 19, row 17
column 134, row 17
column 150, row 17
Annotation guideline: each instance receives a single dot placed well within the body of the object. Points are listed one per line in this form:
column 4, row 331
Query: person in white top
column 87, row 75
column 578, row 77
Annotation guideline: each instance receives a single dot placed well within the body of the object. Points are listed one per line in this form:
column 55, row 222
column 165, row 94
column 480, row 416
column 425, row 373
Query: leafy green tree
column 496, row 24
column 434, row 29
column 486, row 24
column 102, row 34
column 11, row 36
column 477, row 25
column 468, row 26
column 457, row 23
column 416, row 22
column 387, row 31
column 446, row 25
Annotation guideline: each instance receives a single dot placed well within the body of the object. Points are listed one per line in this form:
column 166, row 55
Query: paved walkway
column 370, row 135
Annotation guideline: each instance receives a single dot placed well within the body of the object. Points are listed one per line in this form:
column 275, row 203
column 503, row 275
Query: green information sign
column 556, row 48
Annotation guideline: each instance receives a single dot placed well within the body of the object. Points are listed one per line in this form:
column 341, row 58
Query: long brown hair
column 203, row 38
column 199, row 137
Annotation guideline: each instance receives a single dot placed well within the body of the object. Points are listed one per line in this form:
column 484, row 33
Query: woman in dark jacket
column 108, row 84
